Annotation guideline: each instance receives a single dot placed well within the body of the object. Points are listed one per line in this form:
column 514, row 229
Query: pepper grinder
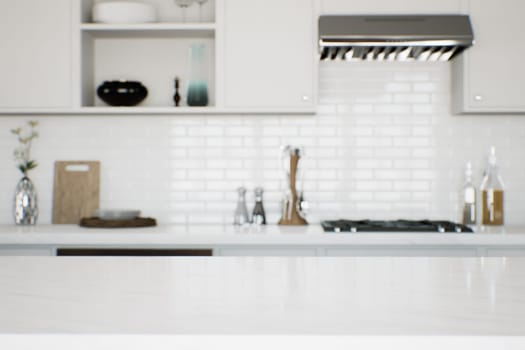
column 258, row 215
column 241, row 212
column 176, row 96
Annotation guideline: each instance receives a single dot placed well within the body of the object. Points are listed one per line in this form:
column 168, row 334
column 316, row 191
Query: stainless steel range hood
column 394, row 37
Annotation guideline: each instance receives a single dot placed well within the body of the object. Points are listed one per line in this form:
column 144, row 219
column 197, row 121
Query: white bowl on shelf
column 123, row 12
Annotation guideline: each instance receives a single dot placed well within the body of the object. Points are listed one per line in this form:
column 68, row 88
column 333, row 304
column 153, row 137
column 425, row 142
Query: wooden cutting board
column 76, row 190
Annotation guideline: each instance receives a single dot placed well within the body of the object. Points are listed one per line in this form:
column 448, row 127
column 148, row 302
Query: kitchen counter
column 453, row 299
column 248, row 235
column 270, row 240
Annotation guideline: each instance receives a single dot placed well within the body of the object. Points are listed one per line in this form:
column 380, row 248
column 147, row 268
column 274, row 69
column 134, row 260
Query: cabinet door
column 268, row 251
column 490, row 76
column 402, row 251
column 269, row 54
column 26, row 251
column 506, row 251
column 35, row 64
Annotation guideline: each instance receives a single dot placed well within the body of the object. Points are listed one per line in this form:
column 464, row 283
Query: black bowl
column 122, row 92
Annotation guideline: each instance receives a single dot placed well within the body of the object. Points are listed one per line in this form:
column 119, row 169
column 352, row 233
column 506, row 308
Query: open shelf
column 151, row 53
column 141, row 30
column 151, row 111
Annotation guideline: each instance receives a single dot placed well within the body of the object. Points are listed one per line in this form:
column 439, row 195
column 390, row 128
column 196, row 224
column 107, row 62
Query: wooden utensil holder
column 295, row 218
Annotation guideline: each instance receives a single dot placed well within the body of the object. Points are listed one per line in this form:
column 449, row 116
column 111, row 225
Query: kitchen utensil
column 113, row 214
column 302, row 205
column 287, row 194
column 289, row 158
column 123, row 12
column 75, row 191
column 122, row 92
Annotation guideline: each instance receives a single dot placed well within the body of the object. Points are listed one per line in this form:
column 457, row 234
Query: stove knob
column 440, row 229
column 337, row 229
column 353, row 229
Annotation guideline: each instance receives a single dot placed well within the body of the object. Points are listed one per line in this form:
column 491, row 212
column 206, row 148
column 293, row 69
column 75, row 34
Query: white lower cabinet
column 270, row 251
column 401, row 251
column 273, row 250
column 505, row 251
column 23, row 251
column 350, row 251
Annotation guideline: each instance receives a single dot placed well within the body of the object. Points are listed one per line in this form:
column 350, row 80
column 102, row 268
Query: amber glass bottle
column 492, row 208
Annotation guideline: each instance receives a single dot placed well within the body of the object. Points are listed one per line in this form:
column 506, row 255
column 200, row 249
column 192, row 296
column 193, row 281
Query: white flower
column 22, row 153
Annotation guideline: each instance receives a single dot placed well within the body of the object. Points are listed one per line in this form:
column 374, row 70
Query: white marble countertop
column 312, row 235
column 259, row 303
column 263, row 296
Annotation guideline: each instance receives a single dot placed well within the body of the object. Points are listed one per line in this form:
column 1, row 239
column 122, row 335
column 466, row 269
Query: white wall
column 383, row 145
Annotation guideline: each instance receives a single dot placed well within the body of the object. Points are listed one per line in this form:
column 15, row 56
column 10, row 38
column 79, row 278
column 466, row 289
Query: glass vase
column 26, row 203
column 197, row 85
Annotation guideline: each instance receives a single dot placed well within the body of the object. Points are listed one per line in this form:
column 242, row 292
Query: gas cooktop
column 428, row 226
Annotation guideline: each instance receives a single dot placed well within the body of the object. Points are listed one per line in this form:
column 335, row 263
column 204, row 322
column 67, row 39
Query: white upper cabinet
column 403, row 7
column 270, row 55
column 490, row 76
column 35, row 64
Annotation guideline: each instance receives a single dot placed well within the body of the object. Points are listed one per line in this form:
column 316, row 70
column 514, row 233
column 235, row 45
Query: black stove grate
column 435, row 226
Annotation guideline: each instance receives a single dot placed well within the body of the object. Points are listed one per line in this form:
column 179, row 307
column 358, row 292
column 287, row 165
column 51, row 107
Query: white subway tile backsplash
column 412, row 75
column 373, row 141
column 397, row 87
column 370, row 209
column 357, row 109
column 392, row 196
column 412, row 185
column 205, row 131
column 224, row 141
column 238, row 174
column 392, row 109
column 411, row 141
column 392, row 130
column 426, row 87
column 373, row 164
column 392, row 174
column 411, row 98
column 383, row 144
column 392, row 152
column 426, row 109
column 238, row 131
column 206, row 174
column 373, row 185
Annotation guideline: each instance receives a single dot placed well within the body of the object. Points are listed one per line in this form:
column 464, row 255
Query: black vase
column 122, row 92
